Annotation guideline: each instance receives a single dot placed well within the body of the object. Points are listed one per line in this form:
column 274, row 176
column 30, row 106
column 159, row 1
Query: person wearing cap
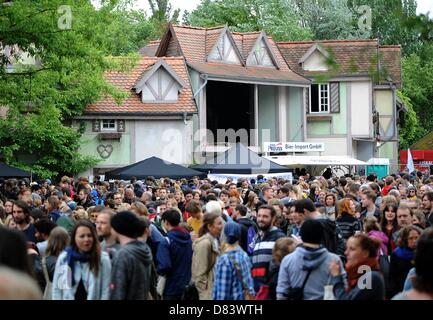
column 233, row 268
column 307, row 266
column 131, row 270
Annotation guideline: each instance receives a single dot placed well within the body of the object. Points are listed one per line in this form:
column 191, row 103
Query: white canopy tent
column 316, row 161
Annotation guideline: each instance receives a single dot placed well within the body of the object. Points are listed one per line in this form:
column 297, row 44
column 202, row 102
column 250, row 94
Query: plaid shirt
column 227, row 285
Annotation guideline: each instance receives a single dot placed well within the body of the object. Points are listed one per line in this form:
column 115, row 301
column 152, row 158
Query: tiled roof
column 196, row 44
column 133, row 103
column 259, row 74
column 245, row 41
column 149, row 50
column 351, row 57
column 391, row 61
column 425, row 143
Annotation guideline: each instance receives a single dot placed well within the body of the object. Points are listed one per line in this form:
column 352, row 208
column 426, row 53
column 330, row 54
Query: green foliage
column 410, row 131
column 162, row 14
column 391, row 22
column 330, row 19
column 40, row 99
column 418, row 86
column 277, row 18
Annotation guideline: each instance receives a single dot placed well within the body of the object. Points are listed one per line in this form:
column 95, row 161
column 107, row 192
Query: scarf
column 404, row 253
column 72, row 256
column 352, row 271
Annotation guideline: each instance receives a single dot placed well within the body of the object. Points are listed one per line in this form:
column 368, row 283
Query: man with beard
column 264, row 244
column 21, row 215
column 103, row 228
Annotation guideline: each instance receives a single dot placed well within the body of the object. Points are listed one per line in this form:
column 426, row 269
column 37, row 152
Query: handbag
column 246, row 291
column 298, row 293
column 49, row 284
column 190, row 293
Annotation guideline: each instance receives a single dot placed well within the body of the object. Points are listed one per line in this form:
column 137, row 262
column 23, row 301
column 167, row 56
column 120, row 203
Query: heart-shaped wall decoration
column 105, row 151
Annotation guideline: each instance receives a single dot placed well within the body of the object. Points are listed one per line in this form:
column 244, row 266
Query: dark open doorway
column 229, row 106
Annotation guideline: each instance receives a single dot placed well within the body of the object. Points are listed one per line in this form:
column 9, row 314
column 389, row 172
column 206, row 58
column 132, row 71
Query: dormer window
column 315, row 59
column 160, row 84
column 225, row 50
column 261, row 54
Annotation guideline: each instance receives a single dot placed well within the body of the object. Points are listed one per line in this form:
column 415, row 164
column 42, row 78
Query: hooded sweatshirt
column 131, row 271
column 174, row 258
column 294, row 269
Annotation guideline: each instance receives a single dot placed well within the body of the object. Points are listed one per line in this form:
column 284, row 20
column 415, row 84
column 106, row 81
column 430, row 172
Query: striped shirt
column 262, row 255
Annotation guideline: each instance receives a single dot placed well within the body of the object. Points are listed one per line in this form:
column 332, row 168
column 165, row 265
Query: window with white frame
column 320, row 98
column 108, row 125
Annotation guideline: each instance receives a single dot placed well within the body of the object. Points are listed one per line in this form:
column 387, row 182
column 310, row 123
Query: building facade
column 199, row 88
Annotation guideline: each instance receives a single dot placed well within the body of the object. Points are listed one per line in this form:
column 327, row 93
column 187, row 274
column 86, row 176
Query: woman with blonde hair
column 172, row 203
column 346, row 220
column 58, row 240
column 80, row 214
column 139, row 209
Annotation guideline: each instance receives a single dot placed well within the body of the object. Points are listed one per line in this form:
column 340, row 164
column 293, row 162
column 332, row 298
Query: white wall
column 360, row 109
column 169, row 140
column 316, row 62
column 333, row 146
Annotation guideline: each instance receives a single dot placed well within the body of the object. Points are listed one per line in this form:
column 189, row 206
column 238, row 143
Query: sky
column 424, row 6
column 188, row 5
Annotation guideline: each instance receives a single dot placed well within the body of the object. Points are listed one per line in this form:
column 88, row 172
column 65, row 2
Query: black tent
column 154, row 167
column 6, row 171
column 240, row 160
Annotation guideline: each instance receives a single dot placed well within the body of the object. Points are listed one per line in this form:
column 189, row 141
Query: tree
column 391, row 22
column 418, row 86
column 276, row 17
column 331, row 19
column 162, row 14
column 410, row 131
column 70, row 40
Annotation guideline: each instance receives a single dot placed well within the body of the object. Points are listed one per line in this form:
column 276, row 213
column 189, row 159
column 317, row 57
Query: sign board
column 293, row 147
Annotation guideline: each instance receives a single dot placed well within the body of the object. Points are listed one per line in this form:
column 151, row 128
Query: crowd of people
column 313, row 238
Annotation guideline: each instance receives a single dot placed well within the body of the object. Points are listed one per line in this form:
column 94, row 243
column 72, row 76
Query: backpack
column 251, row 239
column 332, row 239
column 251, row 235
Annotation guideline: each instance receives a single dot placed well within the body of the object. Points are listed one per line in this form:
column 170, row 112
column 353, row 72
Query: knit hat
column 311, row 231
column 232, row 232
column 128, row 224
column 72, row 205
